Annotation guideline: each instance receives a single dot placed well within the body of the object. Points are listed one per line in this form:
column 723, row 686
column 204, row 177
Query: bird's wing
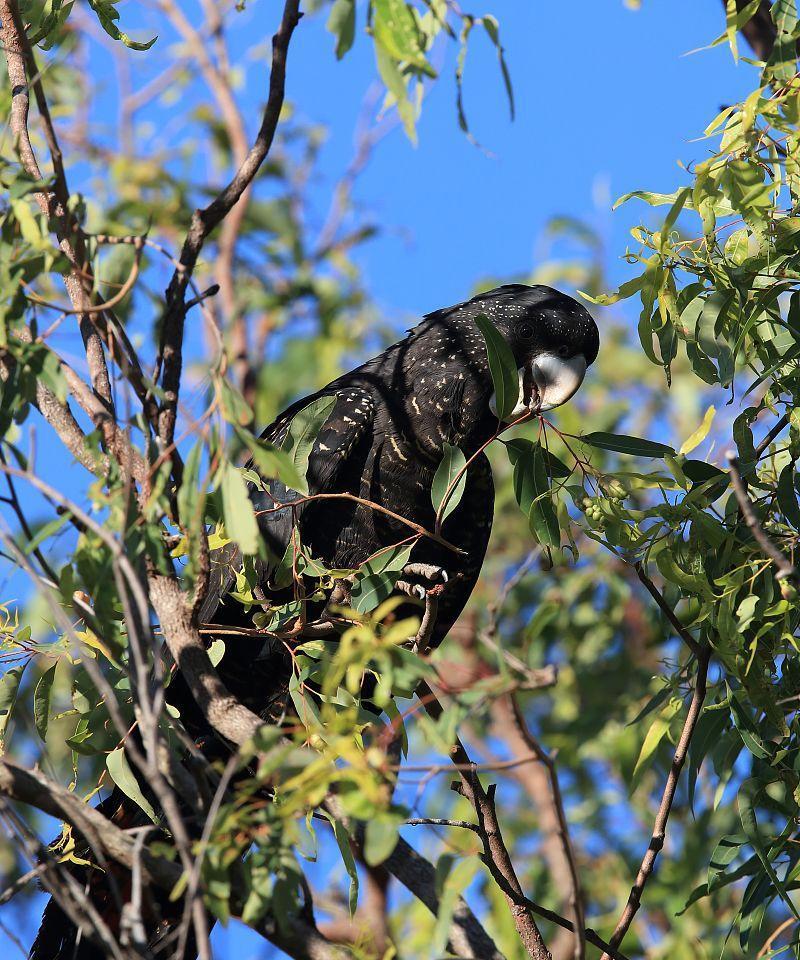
column 349, row 423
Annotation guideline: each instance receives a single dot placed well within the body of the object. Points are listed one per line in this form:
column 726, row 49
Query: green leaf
column 381, row 837
column 107, row 15
column 41, row 701
column 395, row 29
column 235, row 408
column 377, row 577
column 452, row 878
column 725, row 852
column 787, row 496
column 502, row 366
column 748, row 794
column 342, row 24
column 302, row 433
column 397, row 86
column 122, row 775
column 532, row 492
column 623, row 292
column 452, row 466
column 519, row 446
column 492, row 28
column 343, row 841
column 46, row 531
column 635, row 446
column 709, row 334
column 272, row 462
column 658, row 729
column 370, row 591
column 783, row 59
column 700, row 433
column 189, row 492
column 240, row 519
column 9, row 688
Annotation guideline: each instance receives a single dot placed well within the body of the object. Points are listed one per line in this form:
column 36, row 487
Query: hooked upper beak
column 545, row 383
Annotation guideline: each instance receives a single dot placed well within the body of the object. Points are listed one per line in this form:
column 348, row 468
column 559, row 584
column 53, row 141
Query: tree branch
column 205, row 220
column 22, row 70
column 668, row 612
column 296, row 937
column 557, row 815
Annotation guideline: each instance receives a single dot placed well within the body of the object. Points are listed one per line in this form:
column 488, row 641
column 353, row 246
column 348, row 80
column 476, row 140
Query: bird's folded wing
column 349, row 423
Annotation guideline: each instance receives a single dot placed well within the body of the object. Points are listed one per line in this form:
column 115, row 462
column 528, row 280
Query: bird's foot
column 421, row 579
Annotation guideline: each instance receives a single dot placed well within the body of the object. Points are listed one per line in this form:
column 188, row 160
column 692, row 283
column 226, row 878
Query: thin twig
column 772, row 433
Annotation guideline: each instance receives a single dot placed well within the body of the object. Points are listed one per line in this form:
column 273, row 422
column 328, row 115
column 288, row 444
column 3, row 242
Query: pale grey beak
column 557, row 379
column 547, row 383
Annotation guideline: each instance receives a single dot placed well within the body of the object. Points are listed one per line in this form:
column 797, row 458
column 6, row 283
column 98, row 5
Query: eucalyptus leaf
column 502, row 367
column 240, row 518
column 302, row 434
column 449, row 481
column 121, row 773
column 9, row 688
column 41, row 701
column 634, row 446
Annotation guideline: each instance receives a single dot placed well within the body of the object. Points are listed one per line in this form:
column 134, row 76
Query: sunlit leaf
column 240, row 518
column 9, row 688
column 342, row 24
column 121, row 773
column 302, row 433
column 107, row 14
column 700, row 433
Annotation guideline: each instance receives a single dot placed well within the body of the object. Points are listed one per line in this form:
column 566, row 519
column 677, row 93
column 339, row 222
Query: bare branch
column 665, row 608
column 510, row 723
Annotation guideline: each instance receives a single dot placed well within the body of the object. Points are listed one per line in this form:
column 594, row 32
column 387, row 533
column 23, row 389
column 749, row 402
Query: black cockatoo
column 382, row 442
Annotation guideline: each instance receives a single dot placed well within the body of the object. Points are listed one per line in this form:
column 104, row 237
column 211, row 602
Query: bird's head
column 553, row 338
column 443, row 371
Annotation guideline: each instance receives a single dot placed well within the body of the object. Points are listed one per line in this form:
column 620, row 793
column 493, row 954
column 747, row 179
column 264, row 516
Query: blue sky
column 607, row 102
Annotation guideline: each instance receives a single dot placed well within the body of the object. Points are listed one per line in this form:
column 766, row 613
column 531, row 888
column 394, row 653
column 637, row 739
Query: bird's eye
column 563, row 352
column 525, row 331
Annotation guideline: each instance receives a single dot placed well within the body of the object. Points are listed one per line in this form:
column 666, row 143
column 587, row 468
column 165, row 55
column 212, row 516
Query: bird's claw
column 434, row 580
